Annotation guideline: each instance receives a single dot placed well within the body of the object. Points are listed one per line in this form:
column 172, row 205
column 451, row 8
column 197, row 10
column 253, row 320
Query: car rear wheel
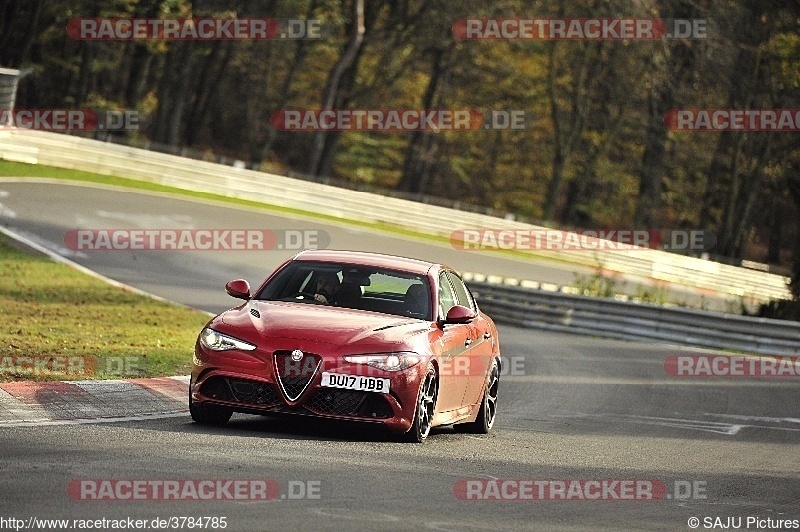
column 426, row 406
column 209, row 414
column 486, row 415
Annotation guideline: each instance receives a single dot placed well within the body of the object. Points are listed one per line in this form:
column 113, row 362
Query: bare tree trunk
column 347, row 61
column 678, row 59
column 775, row 223
column 730, row 239
column 214, row 69
column 181, row 96
column 711, row 195
column 138, row 60
column 743, row 206
column 418, row 159
column 19, row 27
column 172, row 94
column 285, row 93
column 652, row 174
column 579, row 186
column 794, row 188
column 564, row 135
column 82, row 82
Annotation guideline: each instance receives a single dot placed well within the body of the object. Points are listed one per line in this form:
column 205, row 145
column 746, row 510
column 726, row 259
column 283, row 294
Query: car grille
column 240, row 391
column 294, row 377
column 367, row 405
column 350, row 403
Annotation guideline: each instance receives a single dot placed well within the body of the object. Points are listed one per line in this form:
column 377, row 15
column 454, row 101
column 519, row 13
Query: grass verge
column 61, row 324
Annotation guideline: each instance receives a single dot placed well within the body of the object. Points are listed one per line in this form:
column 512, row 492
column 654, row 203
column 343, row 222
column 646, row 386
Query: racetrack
column 197, row 278
column 571, row 407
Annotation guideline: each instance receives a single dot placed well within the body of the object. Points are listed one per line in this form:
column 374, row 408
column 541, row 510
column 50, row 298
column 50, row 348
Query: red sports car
column 350, row 335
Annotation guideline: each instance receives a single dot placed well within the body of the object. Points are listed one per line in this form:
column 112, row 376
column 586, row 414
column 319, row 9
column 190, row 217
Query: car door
column 480, row 349
column 456, row 346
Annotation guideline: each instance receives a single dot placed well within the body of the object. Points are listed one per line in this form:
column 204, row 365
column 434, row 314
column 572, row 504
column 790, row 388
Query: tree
column 673, row 62
column 340, row 79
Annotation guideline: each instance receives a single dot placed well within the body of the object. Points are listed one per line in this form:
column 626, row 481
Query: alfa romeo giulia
column 352, row 336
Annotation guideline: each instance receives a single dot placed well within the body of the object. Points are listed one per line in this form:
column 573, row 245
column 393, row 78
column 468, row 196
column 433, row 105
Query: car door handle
column 467, row 342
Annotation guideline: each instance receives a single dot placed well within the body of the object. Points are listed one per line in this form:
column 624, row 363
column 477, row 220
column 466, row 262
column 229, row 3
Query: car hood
column 330, row 325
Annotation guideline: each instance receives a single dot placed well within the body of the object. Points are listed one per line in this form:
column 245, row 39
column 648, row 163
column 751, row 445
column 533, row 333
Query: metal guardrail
column 67, row 151
column 606, row 317
column 9, row 79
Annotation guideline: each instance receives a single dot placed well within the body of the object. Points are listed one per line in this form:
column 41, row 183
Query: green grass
column 79, row 327
column 596, row 285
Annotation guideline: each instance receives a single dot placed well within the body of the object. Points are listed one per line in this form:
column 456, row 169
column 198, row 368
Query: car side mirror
column 459, row 314
column 238, row 288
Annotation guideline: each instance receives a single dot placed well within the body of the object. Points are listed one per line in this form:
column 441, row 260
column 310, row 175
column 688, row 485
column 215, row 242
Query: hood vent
column 398, row 324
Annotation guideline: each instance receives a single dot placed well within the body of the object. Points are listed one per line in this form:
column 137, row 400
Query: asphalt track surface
column 45, row 212
column 571, row 407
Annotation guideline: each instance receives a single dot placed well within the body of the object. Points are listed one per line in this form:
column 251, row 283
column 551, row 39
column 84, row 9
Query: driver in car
column 327, row 287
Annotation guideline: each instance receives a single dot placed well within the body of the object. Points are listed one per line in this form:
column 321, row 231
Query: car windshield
column 351, row 286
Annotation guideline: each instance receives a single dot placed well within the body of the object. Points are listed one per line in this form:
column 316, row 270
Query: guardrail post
column 9, row 80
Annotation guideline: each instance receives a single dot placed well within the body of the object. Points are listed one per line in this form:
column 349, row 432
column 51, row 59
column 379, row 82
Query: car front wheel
column 488, row 410
column 426, row 406
column 209, row 414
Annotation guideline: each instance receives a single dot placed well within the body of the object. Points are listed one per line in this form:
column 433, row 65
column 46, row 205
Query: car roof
column 362, row 258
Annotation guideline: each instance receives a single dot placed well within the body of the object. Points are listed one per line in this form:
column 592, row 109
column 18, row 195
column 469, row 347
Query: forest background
column 596, row 152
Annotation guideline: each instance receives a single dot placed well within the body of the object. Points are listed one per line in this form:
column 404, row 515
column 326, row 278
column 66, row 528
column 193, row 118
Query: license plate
column 355, row 382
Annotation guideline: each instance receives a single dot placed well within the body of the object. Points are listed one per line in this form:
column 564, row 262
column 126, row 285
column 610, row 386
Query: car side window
column 463, row 295
column 447, row 298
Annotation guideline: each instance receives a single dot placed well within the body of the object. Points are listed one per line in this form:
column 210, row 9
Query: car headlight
column 216, row 341
column 386, row 361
